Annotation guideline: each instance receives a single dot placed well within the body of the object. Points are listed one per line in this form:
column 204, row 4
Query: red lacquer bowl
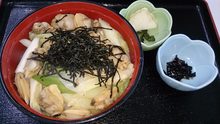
column 12, row 52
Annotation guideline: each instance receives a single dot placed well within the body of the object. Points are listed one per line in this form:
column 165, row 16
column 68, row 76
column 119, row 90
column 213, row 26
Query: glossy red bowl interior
column 12, row 50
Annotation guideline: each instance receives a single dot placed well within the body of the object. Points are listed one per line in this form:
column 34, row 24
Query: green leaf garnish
column 144, row 35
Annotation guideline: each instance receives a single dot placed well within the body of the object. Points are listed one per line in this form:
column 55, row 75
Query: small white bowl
column 163, row 19
column 195, row 53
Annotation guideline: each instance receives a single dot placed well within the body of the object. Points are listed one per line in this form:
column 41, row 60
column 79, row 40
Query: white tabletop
column 214, row 6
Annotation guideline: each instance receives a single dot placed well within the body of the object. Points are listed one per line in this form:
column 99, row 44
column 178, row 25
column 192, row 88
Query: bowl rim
column 90, row 118
column 161, row 71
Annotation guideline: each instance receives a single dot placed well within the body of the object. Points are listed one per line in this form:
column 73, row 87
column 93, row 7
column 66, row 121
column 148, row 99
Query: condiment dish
column 162, row 17
column 195, row 53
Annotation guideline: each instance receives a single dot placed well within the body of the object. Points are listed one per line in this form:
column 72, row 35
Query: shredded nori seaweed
column 179, row 69
column 77, row 52
column 61, row 18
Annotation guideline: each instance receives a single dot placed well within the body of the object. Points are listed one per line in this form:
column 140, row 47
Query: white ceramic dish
column 195, row 53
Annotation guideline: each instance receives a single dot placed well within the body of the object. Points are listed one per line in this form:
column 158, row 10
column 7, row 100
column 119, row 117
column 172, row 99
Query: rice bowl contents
column 76, row 67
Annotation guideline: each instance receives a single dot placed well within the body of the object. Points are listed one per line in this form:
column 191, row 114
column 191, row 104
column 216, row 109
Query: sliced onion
column 25, row 42
column 26, row 55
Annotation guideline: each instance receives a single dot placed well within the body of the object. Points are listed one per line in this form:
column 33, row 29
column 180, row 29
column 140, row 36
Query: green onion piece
column 123, row 85
column 48, row 80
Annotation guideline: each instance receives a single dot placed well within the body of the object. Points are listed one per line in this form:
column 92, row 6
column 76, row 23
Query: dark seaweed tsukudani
column 179, row 69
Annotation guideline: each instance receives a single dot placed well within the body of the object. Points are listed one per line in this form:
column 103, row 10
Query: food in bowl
column 142, row 20
column 152, row 24
column 13, row 50
column 196, row 53
column 74, row 67
column 179, row 69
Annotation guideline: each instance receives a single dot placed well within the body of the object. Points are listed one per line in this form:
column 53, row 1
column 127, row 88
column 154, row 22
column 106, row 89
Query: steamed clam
column 23, row 86
column 51, row 101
